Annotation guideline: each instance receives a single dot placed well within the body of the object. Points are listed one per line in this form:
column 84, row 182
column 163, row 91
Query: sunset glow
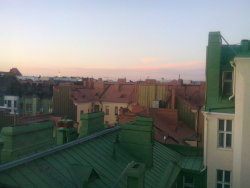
column 131, row 39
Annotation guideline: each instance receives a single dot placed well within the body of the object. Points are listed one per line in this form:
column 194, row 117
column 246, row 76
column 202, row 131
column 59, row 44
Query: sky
column 136, row 39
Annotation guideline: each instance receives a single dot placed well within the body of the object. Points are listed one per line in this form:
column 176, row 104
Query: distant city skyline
column 132, row 39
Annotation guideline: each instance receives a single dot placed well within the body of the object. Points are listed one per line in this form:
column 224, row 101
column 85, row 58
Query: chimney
column 137, row 139
column 26, row 139
column 213, row 67
column 99, row 85
column 135, row 175
column 91, row 123
column 65, row 132
column 245, row 45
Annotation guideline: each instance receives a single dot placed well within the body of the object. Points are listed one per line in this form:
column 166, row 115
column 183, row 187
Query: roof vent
column 135, row 175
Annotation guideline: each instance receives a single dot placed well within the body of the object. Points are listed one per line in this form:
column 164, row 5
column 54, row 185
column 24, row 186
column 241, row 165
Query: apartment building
column 118, row 96
column 11, row 103
column 226, row 113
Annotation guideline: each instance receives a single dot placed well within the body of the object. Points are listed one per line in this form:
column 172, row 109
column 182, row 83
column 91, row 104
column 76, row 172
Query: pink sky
column 187, row 70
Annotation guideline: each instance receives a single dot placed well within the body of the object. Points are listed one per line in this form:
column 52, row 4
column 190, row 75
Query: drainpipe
column 205, row 139
column 234, row 67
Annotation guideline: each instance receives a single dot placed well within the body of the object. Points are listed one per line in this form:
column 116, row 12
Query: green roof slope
column 89, row 161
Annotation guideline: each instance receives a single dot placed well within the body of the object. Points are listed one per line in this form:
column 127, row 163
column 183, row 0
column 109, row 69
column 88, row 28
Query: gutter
column 232, row 63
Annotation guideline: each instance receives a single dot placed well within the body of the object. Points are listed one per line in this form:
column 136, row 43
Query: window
column 223, row 179
column 5, row 101
column 9, row 103
column 188, row 182
column 116, row 110
column 50, row 108
column 107, row 110
column 96, row 108
column 225, row 133
column 227, row 83
column 28, row 107
column 15, row 104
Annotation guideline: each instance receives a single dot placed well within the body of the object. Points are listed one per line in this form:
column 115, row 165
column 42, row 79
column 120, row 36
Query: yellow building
column 108, row 98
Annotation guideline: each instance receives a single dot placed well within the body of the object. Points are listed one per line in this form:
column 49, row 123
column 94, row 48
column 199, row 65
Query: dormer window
column 227, row 83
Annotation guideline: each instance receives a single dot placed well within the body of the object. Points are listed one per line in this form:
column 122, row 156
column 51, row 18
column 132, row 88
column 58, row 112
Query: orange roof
column 165, row 124
column 82, row 95
column 120, row 93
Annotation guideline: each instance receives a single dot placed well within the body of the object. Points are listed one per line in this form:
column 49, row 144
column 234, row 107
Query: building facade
column 11, row 102
column 226, row 133
column 31, row 105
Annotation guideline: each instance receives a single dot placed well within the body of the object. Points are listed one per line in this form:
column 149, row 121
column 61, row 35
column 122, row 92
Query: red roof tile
column 121, row 93
column 82, row 95
column 165, row 124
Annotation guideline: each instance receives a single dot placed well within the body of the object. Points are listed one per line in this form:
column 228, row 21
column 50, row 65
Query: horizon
column 136, row 40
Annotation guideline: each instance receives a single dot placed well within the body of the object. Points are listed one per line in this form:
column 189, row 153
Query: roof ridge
column 55, row 149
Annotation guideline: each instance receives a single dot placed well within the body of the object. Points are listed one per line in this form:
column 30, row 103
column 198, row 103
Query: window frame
column 9, row 104
column 116, row 110
column 227, row 81
column 225, row 133
column 223, row 183
column 28, row 107
column 106, row 110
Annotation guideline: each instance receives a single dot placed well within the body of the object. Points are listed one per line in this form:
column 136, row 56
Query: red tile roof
column 165, row 124
column 82, row 95
column 121, row 93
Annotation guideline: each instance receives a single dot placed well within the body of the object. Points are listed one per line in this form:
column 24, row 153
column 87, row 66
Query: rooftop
column 119, row 92
column 90, row 160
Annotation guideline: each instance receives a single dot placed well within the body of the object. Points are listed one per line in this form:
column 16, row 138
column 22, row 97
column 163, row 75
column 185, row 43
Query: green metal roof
column 89, row 161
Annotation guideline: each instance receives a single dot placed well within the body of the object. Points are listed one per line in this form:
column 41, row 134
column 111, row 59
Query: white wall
column 12, row 108
column 216, row 158
column 241, row 162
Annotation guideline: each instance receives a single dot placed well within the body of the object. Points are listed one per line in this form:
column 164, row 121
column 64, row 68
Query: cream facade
column 216, row 156
column 233, row 159
column 241, row 155
column 83, row 108
column 111, row 111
